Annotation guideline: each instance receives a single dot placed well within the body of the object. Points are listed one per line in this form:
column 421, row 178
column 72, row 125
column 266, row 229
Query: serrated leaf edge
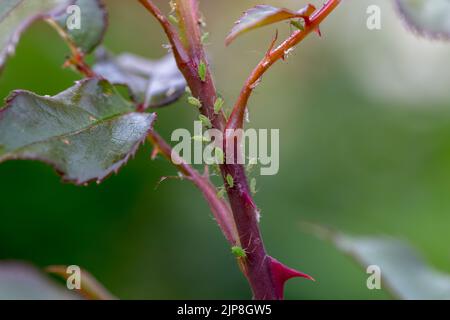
column 411, row 26
column 14, row 39
column 106, row 173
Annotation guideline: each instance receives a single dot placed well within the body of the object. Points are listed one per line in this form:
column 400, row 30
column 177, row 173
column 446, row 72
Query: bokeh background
column 364, row 119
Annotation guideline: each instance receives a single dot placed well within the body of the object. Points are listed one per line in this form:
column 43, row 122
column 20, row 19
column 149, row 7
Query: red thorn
column 318, row 31
column 272, row 44
column 67, row 63
column 155, row 153
column 282, row 273
column 248, row 200
column 140, row 107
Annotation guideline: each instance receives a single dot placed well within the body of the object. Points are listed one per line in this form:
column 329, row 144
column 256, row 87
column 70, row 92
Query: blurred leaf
column 93, row 24
column 263, row 15
column 152, row 83
column 86, row 132
column 430, row 18
column 17, row 15
column 404, row 273
column 24, row 282
column 91, row 288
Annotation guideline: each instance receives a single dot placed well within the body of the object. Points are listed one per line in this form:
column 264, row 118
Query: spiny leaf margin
column 86, row 132
column 427, row 18
column 405, row 273
column 94, row 22
column 9, row 38
column 152, row 83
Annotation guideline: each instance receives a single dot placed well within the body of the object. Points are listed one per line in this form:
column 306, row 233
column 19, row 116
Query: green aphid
column 218, row 154
column 253, row 185
column 298, row 25
column 195, row 102
column 204, row 37
column 205, row 121
column 238, row 252
column 215, row 169
column 218, row 105
column 202, row 71
column 173, row 19
column 221, row 192
column 230, row 180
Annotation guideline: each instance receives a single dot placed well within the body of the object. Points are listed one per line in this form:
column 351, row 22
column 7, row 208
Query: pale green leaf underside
column 93, row 24
column 427, row 17
column 24, row 282
column 263, row 15
column 17, row 15
column 404, row 272
column 86, row 132
column 154, row 83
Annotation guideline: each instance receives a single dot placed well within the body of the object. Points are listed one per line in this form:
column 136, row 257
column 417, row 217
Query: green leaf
column 430, row 18
column 403, row 271
column 154, row 83
column 263, row 15
column 24, row 282
column 17, row 15
column 86, row 132
column 93, row 25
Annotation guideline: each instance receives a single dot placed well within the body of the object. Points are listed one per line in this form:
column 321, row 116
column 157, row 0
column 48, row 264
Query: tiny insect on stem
column 230, row 181
column 218, row 105
column 239, row 219
column 195, row 102
column 202, row 71
column 236, row 120
column 239, row 252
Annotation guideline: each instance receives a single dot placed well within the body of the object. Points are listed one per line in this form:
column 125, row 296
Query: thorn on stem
column 282, row 273
column 272, row 44
column 155, row 153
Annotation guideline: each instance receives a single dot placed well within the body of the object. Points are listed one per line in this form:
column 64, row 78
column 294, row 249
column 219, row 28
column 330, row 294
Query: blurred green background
column 364, row 119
